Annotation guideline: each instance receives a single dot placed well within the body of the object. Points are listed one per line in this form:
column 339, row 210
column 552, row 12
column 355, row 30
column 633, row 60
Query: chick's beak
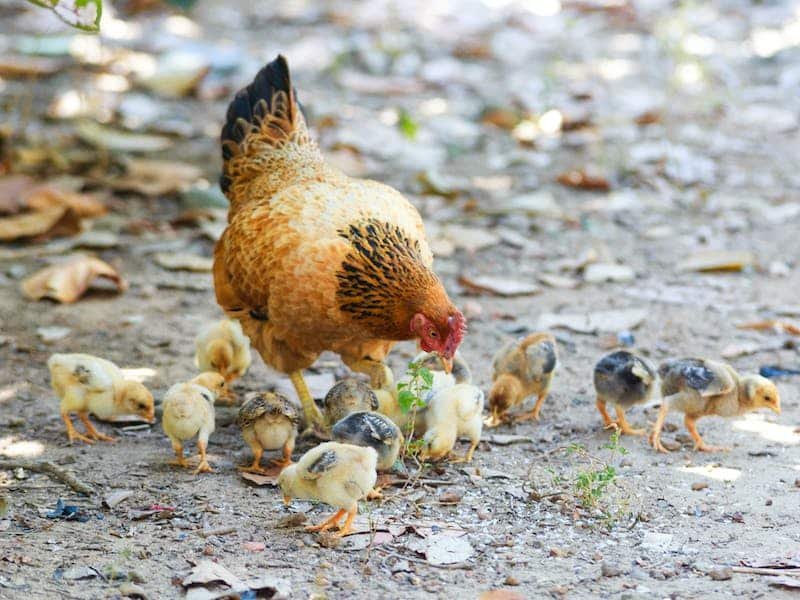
column 150, row 416
column 776, row 408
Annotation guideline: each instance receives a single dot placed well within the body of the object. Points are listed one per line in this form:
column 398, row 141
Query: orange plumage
column 313, row 260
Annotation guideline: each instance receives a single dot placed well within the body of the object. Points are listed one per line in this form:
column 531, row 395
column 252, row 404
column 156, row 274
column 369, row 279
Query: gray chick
column 623, row 379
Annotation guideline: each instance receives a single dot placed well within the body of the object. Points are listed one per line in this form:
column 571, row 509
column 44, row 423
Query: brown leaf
column 707, row 261
column 156, row 177
column 51, row 222
column 260, row 479
column 84, row 205
column 28, row 66
column 12, row 193
column 774, row 324
column 68, row 281
column 580, row 179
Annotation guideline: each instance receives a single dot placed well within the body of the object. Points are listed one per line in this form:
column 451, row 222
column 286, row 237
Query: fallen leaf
column 447, row 550
column 254, row 546
column 776, row 325
column 709, row 261
column 16, row 65
column 69, row 280
column 177, row 74
column 111, row 499
column 500, row 439
column 184, row 262
column 38, row 226
column 558, row 281
column 207, row 571
column 52, row 334
column 156, row 177
column 601, row 321
column 76, row 573
column 535, row 204
column 784, row 581
column 580, row 179
column 44, row 196
column 260, row 479
column 101, row 136
column 470, row 239
column 608, row 272
column 499, row 286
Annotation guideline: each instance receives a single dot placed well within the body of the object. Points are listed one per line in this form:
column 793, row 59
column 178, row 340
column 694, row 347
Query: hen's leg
column 375, row 369
column 699, row 444
column 329, row 522
column 310, row 410
column 93, row 433
column 72, row 433
column 625, row 427
column 608, row 422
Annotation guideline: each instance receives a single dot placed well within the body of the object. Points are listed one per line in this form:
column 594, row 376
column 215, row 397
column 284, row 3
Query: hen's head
column 440, row 333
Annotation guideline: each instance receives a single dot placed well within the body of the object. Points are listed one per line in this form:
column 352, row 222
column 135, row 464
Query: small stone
column 797, row 483
column 131, row 590
column 768, row 502
column 671, row 445
column 610, row 570
column 721, row 573
column 699, row 485
column 208, row 550
column 511, row 580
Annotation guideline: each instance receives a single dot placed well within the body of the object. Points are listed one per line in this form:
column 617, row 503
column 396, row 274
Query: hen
column 314, row 260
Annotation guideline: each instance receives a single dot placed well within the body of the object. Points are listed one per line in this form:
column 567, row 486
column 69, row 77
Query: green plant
column 411, row 396
column 81, row 14
column 407, row 125
column 591, row 484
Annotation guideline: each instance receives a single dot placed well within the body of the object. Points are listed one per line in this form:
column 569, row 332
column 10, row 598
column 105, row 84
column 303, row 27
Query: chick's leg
column 288, row 448
column 608, row 422
column 310, row 410
column 72, row 433
column 699, row 444
column 348, row 524
column 93, row 433
column 655, row 435
column 180, row 460
column 625, row 427
column 203, row 466
column 255, row 466
column 331, row 521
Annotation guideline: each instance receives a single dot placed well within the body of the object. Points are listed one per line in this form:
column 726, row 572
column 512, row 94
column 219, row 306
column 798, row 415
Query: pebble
column 511, row 580
column 699, row 485
column 610, row 570
column 721, row 573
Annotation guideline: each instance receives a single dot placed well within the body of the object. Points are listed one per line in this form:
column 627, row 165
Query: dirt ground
column 710, row 164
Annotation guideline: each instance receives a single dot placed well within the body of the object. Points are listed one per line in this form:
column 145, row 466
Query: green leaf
column 407, row 125
column 427, row 376
column 406, row 400
column 81, row 14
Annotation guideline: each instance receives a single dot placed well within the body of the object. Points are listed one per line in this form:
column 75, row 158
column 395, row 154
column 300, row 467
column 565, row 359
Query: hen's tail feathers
column 265, row 136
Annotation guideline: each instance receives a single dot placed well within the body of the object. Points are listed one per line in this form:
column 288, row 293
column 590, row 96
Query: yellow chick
column 334, row 473
column 452, row 412
column 189, row 412
column 699, row 387
column 347, row 396
column 269, row 421
column 623, row 379
column 223, row 347
column 88, row 384
column 522, row 368
column 433, row 362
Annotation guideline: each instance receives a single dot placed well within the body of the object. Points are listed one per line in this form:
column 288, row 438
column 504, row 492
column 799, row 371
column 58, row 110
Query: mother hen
column 314, row 260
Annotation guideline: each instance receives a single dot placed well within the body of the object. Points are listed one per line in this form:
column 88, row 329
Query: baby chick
column 88, row 384
column 269, row 421
column 347, row 396
column 623, row 379
column 334, row 473
column 223, row 347
column 433, row 362
column 189, row 412
column 453, row 412
column 699, row 387
column 522, row 368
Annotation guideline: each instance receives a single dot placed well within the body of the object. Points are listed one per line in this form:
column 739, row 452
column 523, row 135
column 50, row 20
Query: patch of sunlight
column 389, row 116
column 180, row 25
column 699, row 45
column 774, row 432
column 551, row 121
column 713, row 471
column 139, row 63
column 689, row 74
column 141, row 374
column 111, row 83
column 615, row 68
column 13, row 448
column 493, row 183
column 7, row 393
column 118, row 29
column 89, row 49
column 525, row 131
column 542, row 8
column 626, row 42
column 433, row 107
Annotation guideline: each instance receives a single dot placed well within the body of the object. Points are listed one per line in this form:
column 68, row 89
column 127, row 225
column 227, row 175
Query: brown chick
column 269, row 421
column 699, row 387
column 314, row 260
column 522, row 368
column 222, row 347
column 334, row 473
column 347, row 396
column 623, row 379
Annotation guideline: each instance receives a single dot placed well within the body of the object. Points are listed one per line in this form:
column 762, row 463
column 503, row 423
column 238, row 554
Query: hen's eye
column 434, row 334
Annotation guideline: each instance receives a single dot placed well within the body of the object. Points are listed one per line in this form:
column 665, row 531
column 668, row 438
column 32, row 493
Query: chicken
column 88, row 384
column 223, row 347
column 522, row 368
column 452, row 412
column 188, row 412
column 269, row 421
column 334, row 473
column 313, row 260
column 623, row 379
column 699, row 387
column 373, row 430
column 347, row 396
column 433, row 362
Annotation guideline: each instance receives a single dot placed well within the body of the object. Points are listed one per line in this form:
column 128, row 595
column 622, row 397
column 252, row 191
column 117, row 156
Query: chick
column 623, row 379
column 522, row 368
column 453, row 412
column 347, row 396
column 269, row 421
column 189, row 412
column 433, row 362
column 223, row 347
column 373, row 430
column 698, row 387
column 88, row 384
column 334, row 473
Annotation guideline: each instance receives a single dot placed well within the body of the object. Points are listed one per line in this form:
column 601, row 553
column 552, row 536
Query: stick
column 47, row 468
column 765, row 571
column 219, row 531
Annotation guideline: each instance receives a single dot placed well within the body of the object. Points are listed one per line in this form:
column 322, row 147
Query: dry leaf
column 156, row 177
column 608, row 272
column 12, row 193
column 84, row 205
column 101, row 136
column 448, row 550
column 261, row 479
column 580, row 179
column 67, row 281
column 184, row 262
column 207, row 572
column 717, row 260
column 38, row 226
column 772, row 324
column 28, row 66
column 499, row 286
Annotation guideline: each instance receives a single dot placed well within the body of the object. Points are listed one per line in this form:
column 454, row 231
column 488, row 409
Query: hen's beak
column 287, row 500
column 448, row 364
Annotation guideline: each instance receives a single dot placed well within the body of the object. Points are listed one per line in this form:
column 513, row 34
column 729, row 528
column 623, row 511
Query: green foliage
column 407, row 125
column 81, row 14
column 411, row 398
column 591, row 484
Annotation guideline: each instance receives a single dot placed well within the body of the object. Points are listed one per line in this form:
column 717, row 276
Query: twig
column 460, row 565
column 218, row 531
column 47, row 468
column 765, row 571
